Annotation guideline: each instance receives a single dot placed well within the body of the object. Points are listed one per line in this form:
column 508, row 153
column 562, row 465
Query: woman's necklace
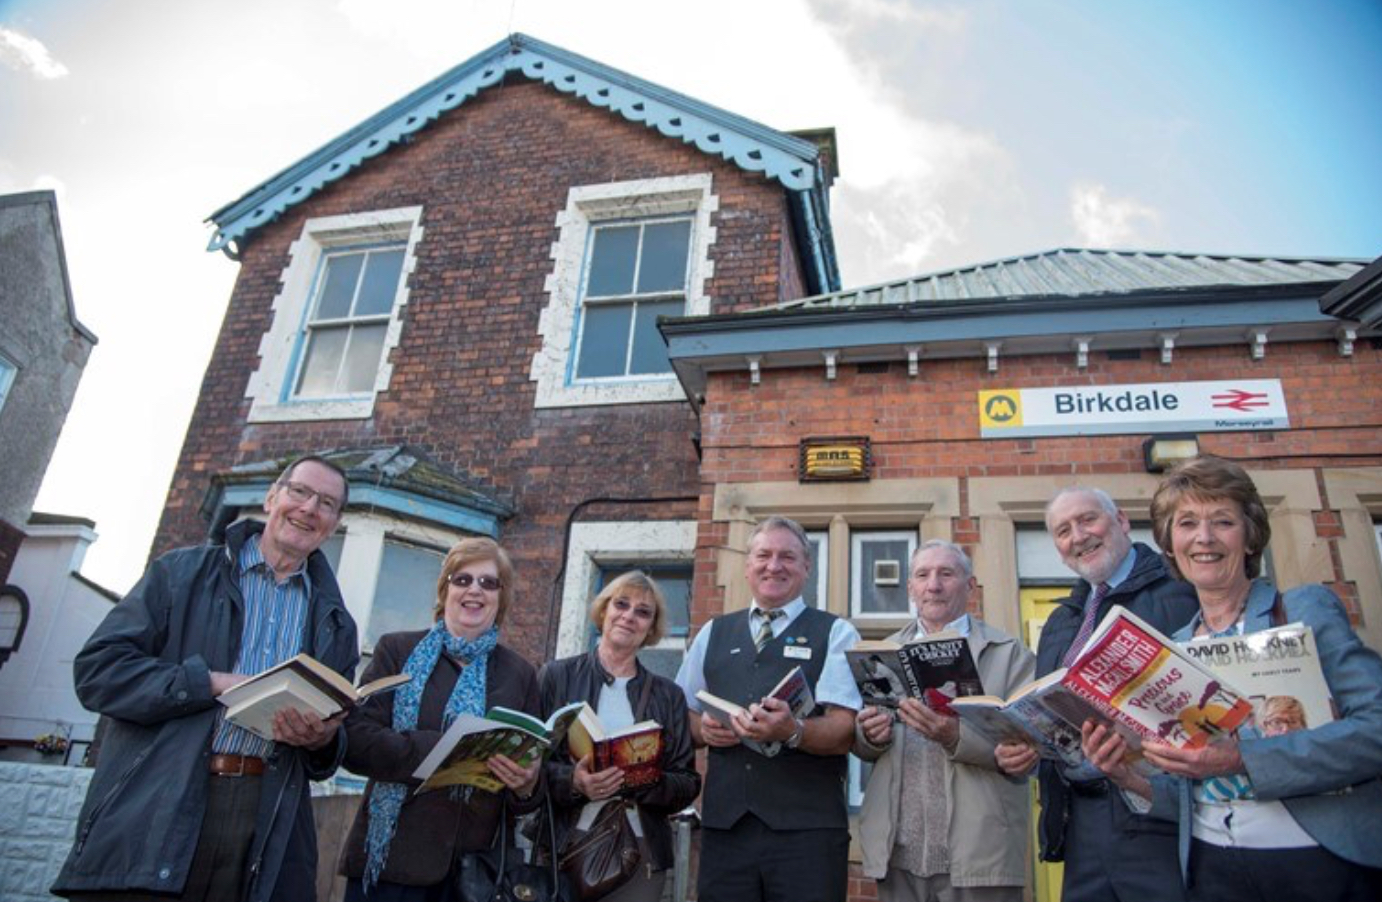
column 1238, row 609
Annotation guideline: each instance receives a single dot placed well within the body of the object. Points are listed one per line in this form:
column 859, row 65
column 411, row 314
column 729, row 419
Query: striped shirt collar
column 252, row 557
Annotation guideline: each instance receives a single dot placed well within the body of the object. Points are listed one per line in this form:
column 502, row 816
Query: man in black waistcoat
column 775, row 826
column 1111, row 854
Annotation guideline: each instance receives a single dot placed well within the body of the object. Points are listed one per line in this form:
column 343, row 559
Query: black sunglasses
column 465, row 580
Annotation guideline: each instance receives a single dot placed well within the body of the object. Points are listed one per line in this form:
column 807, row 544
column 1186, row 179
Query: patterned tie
column 1091, row 615
column 765, row 626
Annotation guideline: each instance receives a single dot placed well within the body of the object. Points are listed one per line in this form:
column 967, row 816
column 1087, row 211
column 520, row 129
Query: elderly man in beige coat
column 955, row 829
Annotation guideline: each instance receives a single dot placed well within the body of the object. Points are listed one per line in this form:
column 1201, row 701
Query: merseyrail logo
column 1000, row 409
column 1250, row 404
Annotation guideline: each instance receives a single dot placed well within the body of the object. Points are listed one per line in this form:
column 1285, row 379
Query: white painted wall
column 36, row 693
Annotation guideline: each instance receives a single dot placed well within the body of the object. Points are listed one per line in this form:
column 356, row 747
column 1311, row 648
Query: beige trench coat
column 988, row 812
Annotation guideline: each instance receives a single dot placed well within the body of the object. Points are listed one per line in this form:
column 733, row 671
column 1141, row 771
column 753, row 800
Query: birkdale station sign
column 1228, row 406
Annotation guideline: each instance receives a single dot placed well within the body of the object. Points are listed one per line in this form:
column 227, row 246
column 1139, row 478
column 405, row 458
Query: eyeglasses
column 466, row 580
column 301, row 494
column 623, row 606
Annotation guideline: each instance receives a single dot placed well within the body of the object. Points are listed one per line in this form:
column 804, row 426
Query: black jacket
column 580, row 678
column 1150, row 592
column 146, row 669
column 435, row 828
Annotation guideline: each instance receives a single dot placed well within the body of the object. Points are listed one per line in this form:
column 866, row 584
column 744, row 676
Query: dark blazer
column 1150, row 592
column 434, row 829
column 580, row 678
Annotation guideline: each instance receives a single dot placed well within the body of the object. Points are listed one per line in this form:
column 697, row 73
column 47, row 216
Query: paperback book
column 792, row 689
column 936, row 669
column 459, row 757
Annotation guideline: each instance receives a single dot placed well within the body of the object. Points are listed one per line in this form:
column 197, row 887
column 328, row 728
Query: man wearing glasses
column 183, row 804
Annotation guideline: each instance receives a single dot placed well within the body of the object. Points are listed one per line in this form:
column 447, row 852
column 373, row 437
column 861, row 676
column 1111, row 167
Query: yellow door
column 1037, row 604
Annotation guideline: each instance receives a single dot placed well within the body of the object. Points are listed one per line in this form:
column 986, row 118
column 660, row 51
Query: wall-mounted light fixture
column 1162, row 452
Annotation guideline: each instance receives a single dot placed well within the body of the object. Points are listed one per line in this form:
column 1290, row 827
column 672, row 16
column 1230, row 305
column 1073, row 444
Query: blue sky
column 968, row 131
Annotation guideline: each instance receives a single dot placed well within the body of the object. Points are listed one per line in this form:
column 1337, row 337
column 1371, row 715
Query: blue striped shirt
column 275, row 619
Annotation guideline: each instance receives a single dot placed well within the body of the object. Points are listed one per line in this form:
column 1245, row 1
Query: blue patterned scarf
column 467, row 697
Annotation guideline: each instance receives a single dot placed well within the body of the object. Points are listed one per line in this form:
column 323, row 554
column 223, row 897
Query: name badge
column 797, row 651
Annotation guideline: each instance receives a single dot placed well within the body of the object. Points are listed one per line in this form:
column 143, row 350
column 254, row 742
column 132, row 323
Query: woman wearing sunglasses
column 630, row 613
column 404, row 847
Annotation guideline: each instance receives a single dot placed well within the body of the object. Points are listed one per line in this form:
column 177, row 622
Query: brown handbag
column 603, row 858
column 600, row 860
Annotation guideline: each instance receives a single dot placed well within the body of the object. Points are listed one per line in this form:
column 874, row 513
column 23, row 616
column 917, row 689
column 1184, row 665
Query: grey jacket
column 147, row 670
column 988, row 812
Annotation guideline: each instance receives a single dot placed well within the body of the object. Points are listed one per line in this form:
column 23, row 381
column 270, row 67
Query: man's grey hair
column 1105, row 500
column 787, row 523
column 955, row 550
column 334, row 467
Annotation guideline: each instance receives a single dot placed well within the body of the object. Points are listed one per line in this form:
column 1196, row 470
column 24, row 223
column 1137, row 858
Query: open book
column 302, row 683
column 936, row 669
column 1128, row 674
column 792, row 689
column 458, row 758
column 1280, row 671
column 636, row 750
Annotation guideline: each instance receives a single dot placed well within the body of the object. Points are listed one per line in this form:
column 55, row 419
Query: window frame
column 9, row 373
column 589, row 207
column 633, row 299
column 857, row 536
column 272, row 387
column 311, row 325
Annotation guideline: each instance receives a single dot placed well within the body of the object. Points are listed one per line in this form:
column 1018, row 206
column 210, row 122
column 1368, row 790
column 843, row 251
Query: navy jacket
column 1151, row 593
column 147, row 670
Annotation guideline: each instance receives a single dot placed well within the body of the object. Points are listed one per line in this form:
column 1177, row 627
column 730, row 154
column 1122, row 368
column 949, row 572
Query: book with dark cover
column 936, row 669
column 792, row 689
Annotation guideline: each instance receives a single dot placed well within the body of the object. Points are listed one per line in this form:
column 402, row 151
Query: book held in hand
column 1279, row 669
column 302, row 683
column 1128, row 674
column 936, row 669
column 792, row 689
column 459, row 757
column 636, row 750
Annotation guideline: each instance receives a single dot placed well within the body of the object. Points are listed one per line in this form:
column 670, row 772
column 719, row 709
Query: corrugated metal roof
column 1080, row 271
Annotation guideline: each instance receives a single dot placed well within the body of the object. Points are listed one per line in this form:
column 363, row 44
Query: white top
column 835, row 686
column 613, row 704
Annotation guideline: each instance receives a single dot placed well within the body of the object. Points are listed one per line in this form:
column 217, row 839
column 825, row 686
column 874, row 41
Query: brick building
column 977, row 393
column 459, row 296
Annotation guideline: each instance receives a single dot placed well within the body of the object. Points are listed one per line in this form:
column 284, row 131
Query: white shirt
column 835, row 686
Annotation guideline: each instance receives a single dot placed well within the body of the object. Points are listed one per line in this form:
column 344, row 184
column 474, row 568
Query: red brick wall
column 491, row 177
column 928, row 426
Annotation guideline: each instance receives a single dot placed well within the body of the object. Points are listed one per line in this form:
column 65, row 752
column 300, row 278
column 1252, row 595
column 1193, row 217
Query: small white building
column 36, row 693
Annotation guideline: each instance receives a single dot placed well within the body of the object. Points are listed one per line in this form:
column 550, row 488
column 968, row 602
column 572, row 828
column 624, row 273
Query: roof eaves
column 791, row 161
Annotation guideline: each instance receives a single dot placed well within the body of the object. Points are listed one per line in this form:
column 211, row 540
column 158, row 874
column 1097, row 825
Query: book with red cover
column 637, row 750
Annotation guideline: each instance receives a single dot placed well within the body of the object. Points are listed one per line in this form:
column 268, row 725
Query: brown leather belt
column 236, row 766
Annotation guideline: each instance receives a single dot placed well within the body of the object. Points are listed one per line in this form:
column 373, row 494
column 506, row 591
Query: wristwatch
column 795, row 739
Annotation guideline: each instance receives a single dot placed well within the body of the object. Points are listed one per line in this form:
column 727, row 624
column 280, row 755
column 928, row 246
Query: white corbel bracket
column 1081, row 345
column 1168, row 346
column 1347, row 334
column 1257, row 342
column 992, row 347
column 755, row 375
column 830, row 358
column 913, row 355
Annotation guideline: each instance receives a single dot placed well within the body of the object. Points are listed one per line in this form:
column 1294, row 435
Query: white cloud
column 25, row 54
column 1104, row 221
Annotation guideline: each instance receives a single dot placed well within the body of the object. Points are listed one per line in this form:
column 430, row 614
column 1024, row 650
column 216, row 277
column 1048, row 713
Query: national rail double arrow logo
column 1239, row 400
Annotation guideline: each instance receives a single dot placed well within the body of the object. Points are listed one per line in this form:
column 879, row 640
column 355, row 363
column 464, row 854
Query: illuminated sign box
column 835, row 458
